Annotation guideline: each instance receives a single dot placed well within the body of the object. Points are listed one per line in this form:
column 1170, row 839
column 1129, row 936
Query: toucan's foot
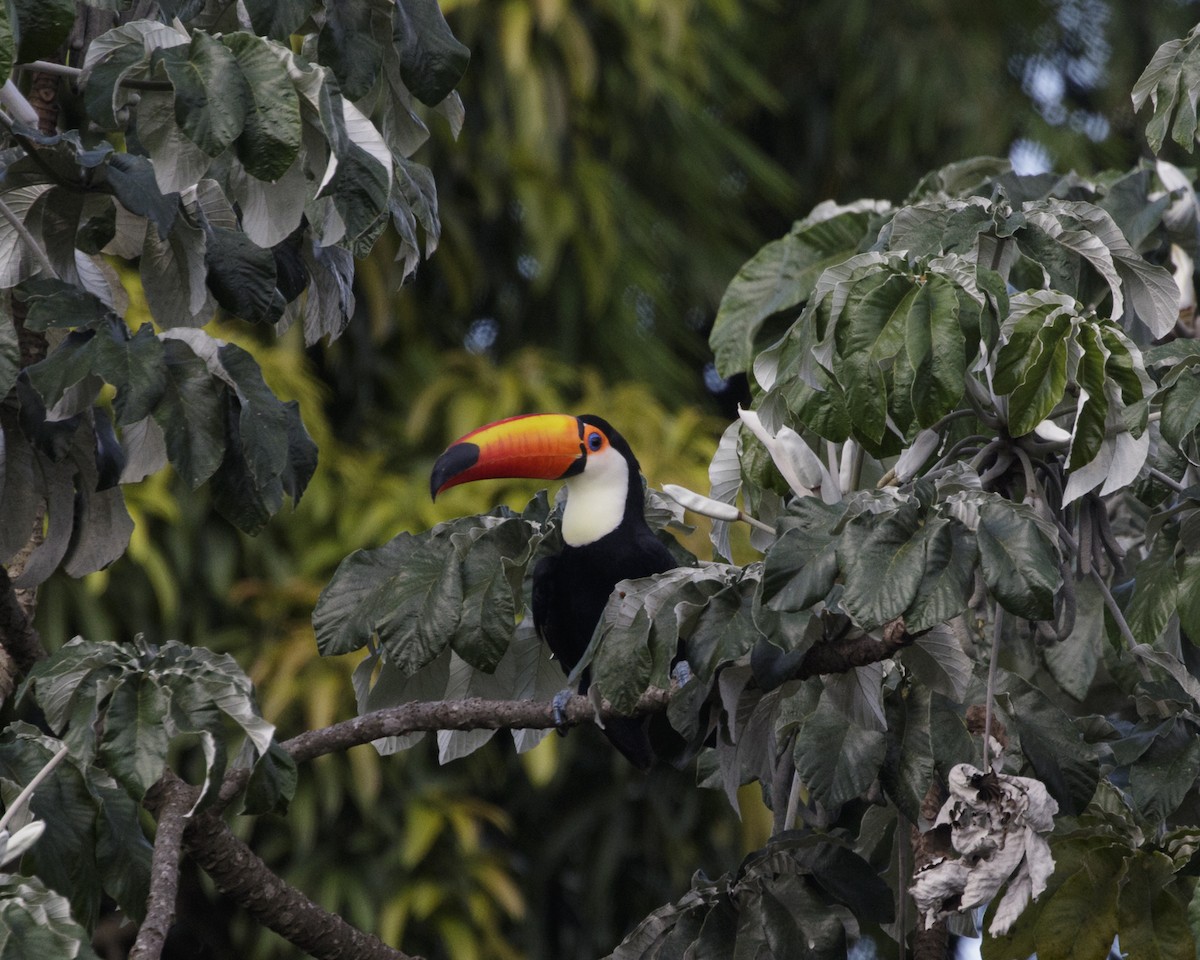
column 559, row 704
column 681, row 673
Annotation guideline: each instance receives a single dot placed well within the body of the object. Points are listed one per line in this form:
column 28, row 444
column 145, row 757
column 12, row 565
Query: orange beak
column 545, row 446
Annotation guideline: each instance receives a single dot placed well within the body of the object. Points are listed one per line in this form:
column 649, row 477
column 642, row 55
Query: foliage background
column 620, row 160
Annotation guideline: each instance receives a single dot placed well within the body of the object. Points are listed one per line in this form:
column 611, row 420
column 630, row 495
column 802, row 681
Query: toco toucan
column 605, row 535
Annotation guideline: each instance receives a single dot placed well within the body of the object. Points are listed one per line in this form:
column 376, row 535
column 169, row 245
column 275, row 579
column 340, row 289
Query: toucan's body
column 606, row 538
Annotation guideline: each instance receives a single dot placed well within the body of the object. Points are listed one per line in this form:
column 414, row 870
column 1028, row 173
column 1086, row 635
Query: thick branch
column 470, row 714
column 272, row 901
column 164, row 873
column 17, row 635
column 841, row 656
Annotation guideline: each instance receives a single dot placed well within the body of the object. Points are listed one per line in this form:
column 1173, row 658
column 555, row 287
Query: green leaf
column 406, row 593
column 1189, row 596
column 10, row 348
column 908, row 766
column 491, row 593
column 191, row 414
column 1181, row 409
column 1019, row 560
column 68, row 364
column 36, row 922
column 948, row 576
column 131, row 180
column 272, row 783
column 346, row 45
column 42, row 26
column 1089, row 432
column 432, row 61
column 270, row 141
column 837, row 760
column 262, row 419
column 7, row 42
column 135, row 365
column 1163, row 776
column 56, row 303
column 623, row 663
column 882, row 558
column 780, row 276
column 211, row 93
column 1045, row 379
column 134, row 746
column 173, row 273
column 278, row 19
column 241, row 276
column 1078, row 921
column 1152, row 910
column 1053, row 745
column 1168, row 82
column 1073, row 661
column 937, row 659
column 870, row 333
column 935, row 345
column 1156, row 589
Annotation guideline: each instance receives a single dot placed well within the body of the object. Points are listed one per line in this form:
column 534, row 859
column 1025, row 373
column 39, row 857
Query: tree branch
column 273, row 902
column 17, row 635
column 164, row 872
column 470, row 714
column 841, row 656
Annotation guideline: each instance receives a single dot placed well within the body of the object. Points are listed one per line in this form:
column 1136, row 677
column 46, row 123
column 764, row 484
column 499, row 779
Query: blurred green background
column 620, row 160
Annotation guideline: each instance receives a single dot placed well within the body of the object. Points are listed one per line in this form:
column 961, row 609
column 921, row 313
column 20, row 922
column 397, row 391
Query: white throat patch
column 596, row 498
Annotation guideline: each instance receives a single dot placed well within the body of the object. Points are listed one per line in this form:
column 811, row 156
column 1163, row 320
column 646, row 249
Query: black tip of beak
column 456, row 459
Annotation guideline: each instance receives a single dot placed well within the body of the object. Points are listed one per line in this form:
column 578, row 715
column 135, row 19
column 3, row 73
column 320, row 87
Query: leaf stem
column 63, row 70
column 997, row 632
column 23, row 232
column 38, row 778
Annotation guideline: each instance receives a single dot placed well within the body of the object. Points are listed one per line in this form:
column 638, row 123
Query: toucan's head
column 600, row 470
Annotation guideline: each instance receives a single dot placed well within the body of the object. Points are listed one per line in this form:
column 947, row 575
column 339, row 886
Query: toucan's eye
column 594, row 441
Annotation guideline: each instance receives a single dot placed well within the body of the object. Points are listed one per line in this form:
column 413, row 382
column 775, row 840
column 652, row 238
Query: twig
column 1165, row 480
column 1115, row 611
column 38, row 778
column 62, row 70
column 27, row 238
column 164, row 875
column 997, row 632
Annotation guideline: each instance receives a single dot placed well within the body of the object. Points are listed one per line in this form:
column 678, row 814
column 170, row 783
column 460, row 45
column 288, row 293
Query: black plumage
column 571, row 588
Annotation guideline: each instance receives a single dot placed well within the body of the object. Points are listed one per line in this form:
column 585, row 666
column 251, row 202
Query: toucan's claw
column 681, row 673
column 559, row 703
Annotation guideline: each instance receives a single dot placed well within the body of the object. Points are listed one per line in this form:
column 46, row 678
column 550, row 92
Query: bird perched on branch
column 604, row 530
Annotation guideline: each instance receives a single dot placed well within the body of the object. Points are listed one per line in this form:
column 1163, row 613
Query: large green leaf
column 837, row 759
column 908, row 766
column 270, row 141
column 36, row 922
column 1020, row 561
column 190, row 414
column 1156, row 589
column 128, row 702
column 135, row 365
column 432, row 61
column 42, row 26
column 935, row 346
column 882, row 559
column 212, row 96
column 347, row 45
column 278, row 19
column 782, row 275
column 948, row 575
column 1161, row 778
column 870, row 332
column 1152, row 910
column 1169, row 83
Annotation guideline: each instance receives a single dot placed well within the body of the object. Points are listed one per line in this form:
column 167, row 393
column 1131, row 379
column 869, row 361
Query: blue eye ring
column 594, row 441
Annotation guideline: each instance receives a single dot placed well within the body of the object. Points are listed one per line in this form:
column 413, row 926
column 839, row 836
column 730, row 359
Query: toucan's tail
column 629, row 735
